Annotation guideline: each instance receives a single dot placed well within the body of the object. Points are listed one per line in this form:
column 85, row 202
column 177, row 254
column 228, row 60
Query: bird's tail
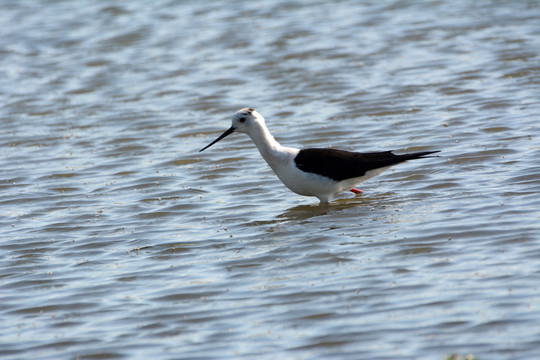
column 418, row 155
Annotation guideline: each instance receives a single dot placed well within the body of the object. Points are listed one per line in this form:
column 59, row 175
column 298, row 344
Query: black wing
column 340, row 165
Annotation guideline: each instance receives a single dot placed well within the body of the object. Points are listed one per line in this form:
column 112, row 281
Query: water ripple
column 120, row 240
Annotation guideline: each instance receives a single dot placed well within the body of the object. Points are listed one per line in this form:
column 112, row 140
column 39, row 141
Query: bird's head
column 245, row 120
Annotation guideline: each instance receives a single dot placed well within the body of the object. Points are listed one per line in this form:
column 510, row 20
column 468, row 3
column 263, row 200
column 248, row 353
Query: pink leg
column 356, row 191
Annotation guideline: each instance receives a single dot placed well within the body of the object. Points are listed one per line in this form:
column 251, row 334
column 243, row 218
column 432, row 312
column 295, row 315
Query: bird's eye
column 242, row 119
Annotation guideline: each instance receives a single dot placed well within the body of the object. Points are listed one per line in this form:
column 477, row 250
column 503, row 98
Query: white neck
column 264, row 141
column 270, row 149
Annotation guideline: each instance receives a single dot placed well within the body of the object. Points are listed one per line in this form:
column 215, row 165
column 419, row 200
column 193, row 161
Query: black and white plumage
column 313, row 172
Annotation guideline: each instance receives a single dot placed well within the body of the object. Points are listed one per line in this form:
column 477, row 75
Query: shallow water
column 120, row 240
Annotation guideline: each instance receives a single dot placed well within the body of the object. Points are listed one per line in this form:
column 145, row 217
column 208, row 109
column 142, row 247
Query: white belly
column 309, row 184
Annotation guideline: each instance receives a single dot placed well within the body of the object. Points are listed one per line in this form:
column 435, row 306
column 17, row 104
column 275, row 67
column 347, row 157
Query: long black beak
column 226, row 133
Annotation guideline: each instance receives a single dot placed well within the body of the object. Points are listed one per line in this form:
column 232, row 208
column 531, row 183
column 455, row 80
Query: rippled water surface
column 118, row 239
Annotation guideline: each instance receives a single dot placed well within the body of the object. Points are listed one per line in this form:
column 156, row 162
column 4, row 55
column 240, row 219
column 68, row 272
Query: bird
column 319, row 172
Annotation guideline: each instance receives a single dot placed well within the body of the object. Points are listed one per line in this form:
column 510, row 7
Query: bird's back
column 341, row 165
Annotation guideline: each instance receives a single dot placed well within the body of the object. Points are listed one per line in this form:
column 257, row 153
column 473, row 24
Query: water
column 120, row 240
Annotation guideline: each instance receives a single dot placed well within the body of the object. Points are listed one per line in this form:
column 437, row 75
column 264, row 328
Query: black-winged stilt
column 313, row 172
